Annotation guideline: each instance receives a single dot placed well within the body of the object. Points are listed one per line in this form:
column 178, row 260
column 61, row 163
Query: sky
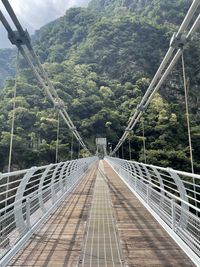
column 33, row 14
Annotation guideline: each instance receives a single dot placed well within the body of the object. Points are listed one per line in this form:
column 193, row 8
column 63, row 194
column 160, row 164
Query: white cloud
column 33, row 14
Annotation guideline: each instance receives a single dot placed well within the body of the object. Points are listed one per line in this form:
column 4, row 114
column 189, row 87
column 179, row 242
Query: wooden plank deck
column 60, row 241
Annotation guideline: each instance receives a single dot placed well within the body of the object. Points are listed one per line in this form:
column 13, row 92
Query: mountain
column 101, row 60
column 170, row 11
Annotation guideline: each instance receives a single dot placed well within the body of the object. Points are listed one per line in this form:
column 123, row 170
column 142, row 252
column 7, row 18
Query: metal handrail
column 29, row 197
column 168, row 195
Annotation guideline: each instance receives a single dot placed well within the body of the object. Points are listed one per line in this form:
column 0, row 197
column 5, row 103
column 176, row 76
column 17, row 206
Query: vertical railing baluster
column 173, row 212
column 148, row 194
column 28, row 213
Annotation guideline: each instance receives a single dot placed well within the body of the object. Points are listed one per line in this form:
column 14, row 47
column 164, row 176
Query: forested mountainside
column 101, row 60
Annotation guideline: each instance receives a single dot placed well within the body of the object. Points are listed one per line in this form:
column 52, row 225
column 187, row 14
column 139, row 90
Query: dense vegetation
column 101, row 60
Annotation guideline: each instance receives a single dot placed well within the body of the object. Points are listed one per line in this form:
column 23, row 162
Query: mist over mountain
column 34, row 14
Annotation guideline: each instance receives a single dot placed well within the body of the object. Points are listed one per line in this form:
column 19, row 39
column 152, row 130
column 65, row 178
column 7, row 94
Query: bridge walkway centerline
column 61, row 239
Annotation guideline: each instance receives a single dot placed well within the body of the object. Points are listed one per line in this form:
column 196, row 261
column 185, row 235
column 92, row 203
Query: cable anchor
column 141, row 108
column 128, row 130
column 17, row 38
column 178, row 41
column 59, row 104
column 73, row 129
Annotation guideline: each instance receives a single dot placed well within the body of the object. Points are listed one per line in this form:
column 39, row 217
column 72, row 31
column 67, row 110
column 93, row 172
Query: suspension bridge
column 91, row 212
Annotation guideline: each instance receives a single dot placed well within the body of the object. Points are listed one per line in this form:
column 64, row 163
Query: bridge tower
column 101, row 144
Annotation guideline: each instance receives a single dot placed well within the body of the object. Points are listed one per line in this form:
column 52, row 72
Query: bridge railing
column 171, row 195
column 28, row 196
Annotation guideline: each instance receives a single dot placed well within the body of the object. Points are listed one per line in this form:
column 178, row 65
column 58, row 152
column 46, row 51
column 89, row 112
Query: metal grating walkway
column 101, row 247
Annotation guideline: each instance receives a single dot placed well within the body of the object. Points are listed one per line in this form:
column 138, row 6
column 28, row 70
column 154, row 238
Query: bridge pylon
column 101, row 144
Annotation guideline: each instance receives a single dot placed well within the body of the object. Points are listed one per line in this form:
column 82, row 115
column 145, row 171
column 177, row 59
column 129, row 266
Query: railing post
column 73, row 172
column 40, row 188
column 19, row 219
column 61, row 183
column 28, row 214
column 183, row 195
column 54, row 181
column 173, row 215
column 160, row 180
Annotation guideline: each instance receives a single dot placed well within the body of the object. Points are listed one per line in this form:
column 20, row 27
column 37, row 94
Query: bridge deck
column 62, row 240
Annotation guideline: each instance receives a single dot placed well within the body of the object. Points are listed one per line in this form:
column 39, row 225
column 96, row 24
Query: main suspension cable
column 173, row 54
column 21, row 39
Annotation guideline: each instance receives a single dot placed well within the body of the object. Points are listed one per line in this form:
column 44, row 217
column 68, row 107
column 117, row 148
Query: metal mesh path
column 101, row 247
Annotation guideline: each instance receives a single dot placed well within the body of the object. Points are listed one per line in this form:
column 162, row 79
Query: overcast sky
column 33, row 14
